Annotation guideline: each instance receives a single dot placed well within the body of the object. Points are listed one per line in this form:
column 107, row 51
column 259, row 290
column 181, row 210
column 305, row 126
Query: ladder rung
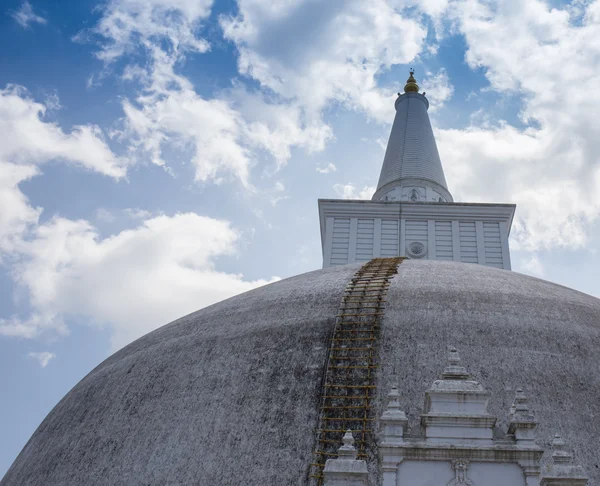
column 362, row 299
column 373, row 322
column 350, row 386
column 357, row 330
column 361, row 315
column 361, row 305
column 353, row 367
column 348, row 407
column 349, row 397
column 348, row 418
column 351, row 349
column 355, row 339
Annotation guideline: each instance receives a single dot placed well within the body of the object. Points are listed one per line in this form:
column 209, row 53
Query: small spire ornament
column 411, row 84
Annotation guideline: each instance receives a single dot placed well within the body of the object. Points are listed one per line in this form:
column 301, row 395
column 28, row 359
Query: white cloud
column 43, row 357
column 439, row 89
column 133, row 281
column 26, row 16
column 224, row 135
column 33, row 326
column 349, row 191
column 136, row 213
column 210, row 128
column 16, row 215
column 26, row 139
column 551, row 169
column 316, row 52
column 326, row 170
column 105, row 215
column 26, row 142
column 532, row 266
column 127, row 24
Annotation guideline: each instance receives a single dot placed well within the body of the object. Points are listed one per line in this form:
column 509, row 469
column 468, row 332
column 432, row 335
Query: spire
column 411, row 85
column 412, row 169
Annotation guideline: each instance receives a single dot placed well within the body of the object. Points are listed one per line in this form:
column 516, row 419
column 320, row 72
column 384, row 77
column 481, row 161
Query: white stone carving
column 346, row 470
column 393, row 421
column 522, row 421
column 562, row 471
column 460, row 467
column 459, row 438
column 416, row 250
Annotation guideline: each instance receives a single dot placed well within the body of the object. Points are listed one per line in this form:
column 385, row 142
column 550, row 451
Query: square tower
column 412, row 213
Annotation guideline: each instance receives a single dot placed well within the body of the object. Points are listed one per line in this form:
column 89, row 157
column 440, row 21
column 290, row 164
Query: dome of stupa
column 231, row 394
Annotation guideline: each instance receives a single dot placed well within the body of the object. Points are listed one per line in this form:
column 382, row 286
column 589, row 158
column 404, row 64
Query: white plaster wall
column 434, row 473
column 493, row 245
column 366, row 233
column 443, row 240
column 490, row 474
column 365, row 239
column 416, row 231
column 417, row 473
column 340, row 242
column 389, row 237
column 468, row 242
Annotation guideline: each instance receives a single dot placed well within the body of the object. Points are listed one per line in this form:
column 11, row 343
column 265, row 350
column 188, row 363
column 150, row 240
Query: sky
column 157, row 156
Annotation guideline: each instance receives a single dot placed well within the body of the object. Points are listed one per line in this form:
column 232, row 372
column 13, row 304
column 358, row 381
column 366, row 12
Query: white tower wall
column 412, row 170
column 357, row 231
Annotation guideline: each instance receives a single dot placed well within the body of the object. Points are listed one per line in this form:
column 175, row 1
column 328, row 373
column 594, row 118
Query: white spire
column 412, row 170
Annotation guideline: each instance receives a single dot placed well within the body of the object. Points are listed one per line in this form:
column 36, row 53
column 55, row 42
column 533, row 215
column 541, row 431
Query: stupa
column 414, row 357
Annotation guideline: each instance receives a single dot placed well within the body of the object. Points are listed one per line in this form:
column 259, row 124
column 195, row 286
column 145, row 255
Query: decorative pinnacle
column 394, row 399
column 521, row 401
column 454, row 371
column 394, row 413
column 560, row 455
column 563, row 467
column 347, row 451
column 453, row 357
column 520, row 411
column 411, row 84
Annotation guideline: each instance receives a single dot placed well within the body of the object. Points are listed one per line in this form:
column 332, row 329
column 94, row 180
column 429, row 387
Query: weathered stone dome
column 229, row 395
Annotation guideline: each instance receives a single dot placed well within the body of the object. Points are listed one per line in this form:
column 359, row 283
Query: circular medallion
column 416, row 250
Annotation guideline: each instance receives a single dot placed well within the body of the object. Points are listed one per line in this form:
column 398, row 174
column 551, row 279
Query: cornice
column 426, row 210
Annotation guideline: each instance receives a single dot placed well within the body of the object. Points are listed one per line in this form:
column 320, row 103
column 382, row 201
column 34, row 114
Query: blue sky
column 157, row 156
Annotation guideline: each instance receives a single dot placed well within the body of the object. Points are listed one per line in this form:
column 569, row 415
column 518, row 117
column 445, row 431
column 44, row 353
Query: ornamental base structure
column 458, row 446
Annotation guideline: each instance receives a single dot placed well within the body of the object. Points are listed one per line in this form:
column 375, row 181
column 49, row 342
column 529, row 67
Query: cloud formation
column 316, row 53
column 132, row 282
column 350, row 191
column 226, row 134
column 330, row 167
column 550, row 168
column 25, row 16
column 43, row 358
column 26, row 143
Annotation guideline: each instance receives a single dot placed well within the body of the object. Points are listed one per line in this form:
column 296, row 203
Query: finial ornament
column 394, row 398
column 454, row 370
column 347, row 450
column 411, row 84
column 562, row 469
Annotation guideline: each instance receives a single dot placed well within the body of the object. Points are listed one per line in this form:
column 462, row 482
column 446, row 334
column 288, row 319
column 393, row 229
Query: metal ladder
column 349, row 380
